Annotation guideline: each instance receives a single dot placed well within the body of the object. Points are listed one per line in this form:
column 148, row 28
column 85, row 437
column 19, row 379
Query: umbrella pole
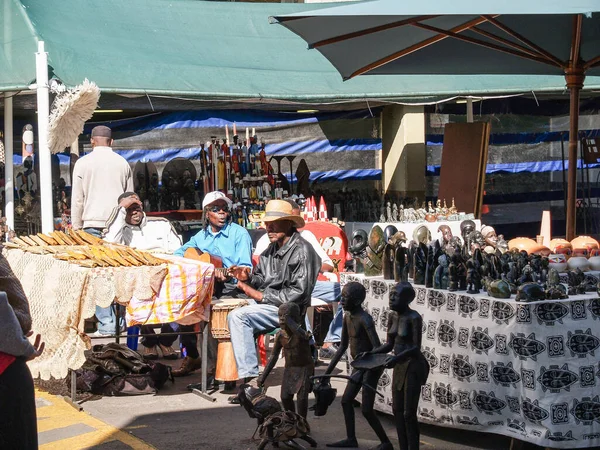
column 575, row 78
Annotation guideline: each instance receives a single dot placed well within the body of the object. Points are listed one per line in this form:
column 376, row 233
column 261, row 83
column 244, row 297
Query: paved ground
column 177, row 419
column 60, row 426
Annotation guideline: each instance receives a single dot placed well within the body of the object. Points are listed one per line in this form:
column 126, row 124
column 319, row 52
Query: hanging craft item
column 71, row 109
column 2, row 152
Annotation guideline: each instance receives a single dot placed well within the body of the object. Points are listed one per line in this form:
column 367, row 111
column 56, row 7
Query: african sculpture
column 434, row 251
column 299, row 364
column 400, row 263
column 554, row 289
column 358, row 249
column 419, row 257
column 441, row 275
column 359, row 333
column 466, row 227
column 499, row 289
column 373, row 261
column 389, row 253
column 410, row 366
column 274, row 424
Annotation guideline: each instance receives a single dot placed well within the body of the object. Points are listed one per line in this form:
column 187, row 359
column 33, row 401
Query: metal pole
column 43, row 105
column 469, row 110
column 9, row 186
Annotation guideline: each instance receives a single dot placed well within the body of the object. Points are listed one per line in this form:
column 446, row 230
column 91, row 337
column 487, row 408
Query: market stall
column 525, row 370
column 63, row 293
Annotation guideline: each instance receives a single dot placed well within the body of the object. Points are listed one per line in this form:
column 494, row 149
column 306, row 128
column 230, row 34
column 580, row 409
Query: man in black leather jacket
column 287, row 272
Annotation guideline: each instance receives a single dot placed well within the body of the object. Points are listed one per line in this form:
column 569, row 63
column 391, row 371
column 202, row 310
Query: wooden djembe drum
column 226, row 367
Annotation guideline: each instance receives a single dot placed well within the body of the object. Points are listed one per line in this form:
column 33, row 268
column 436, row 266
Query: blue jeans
column 107, row 319
column 331, row 292
column 327, row 291
column 244, row 323
column 334, row 335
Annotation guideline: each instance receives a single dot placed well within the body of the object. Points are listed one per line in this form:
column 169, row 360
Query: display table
column 62, row 295
column 525, row 370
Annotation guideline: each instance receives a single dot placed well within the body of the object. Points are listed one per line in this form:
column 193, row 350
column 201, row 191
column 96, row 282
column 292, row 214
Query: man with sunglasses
column 228, row 241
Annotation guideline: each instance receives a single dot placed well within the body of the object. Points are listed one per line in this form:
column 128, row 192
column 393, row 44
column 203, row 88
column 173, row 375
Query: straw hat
column 281, row 210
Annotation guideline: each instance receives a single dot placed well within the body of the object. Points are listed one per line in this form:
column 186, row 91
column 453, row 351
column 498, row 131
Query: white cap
column 212, row 197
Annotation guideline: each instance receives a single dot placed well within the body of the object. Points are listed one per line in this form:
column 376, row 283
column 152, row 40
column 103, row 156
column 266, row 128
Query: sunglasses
column 217, row 208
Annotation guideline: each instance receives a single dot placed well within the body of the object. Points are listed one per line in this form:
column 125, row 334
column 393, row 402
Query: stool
column 262, row 346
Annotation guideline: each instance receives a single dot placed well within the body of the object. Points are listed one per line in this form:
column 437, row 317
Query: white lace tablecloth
column 62, row 295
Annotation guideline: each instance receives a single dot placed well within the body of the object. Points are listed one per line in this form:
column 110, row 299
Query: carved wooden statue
column 420, row 263
column 358, row 249
column 441, row 275
column 299, row 364
column 373, row 261
column 410, row 366
column 359, row 333
column 434, row 251
column 400, row 263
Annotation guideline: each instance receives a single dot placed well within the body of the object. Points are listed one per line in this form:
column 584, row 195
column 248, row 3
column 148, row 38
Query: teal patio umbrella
column 463, row 37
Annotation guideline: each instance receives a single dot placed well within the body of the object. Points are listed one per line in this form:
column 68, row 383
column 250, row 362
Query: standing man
column 98, row 179
column 129, row 225
column 287, row 272
column 230, row 242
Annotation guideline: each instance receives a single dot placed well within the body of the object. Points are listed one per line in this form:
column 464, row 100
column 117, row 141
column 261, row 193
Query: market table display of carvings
column 525, row 370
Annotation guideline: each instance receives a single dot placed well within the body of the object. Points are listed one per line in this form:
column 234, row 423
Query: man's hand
column 220, row 275
column 250, row 291
column 38, row 345
column 127, row 202
column 242, row 273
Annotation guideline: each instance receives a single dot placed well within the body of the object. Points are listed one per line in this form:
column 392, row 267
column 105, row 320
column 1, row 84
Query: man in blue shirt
column 230, row 242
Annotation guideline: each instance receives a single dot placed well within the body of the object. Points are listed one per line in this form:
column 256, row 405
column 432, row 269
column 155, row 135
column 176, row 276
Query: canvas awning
column 218, row 50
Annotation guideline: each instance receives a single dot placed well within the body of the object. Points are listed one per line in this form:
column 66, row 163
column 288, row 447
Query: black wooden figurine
column 410, row 366
column 359, row 332
column 299, row 364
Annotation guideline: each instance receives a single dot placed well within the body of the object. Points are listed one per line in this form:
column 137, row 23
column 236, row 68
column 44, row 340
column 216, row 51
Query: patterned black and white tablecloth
column 525, row 370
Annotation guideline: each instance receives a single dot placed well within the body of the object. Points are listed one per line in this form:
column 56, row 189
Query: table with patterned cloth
column 525, row 370
column 62, row 295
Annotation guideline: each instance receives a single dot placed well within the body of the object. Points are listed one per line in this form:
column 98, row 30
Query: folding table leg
column 204, row 392
column 72, row 400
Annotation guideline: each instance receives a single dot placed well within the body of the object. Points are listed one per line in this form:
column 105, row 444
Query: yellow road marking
column 60, row 415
